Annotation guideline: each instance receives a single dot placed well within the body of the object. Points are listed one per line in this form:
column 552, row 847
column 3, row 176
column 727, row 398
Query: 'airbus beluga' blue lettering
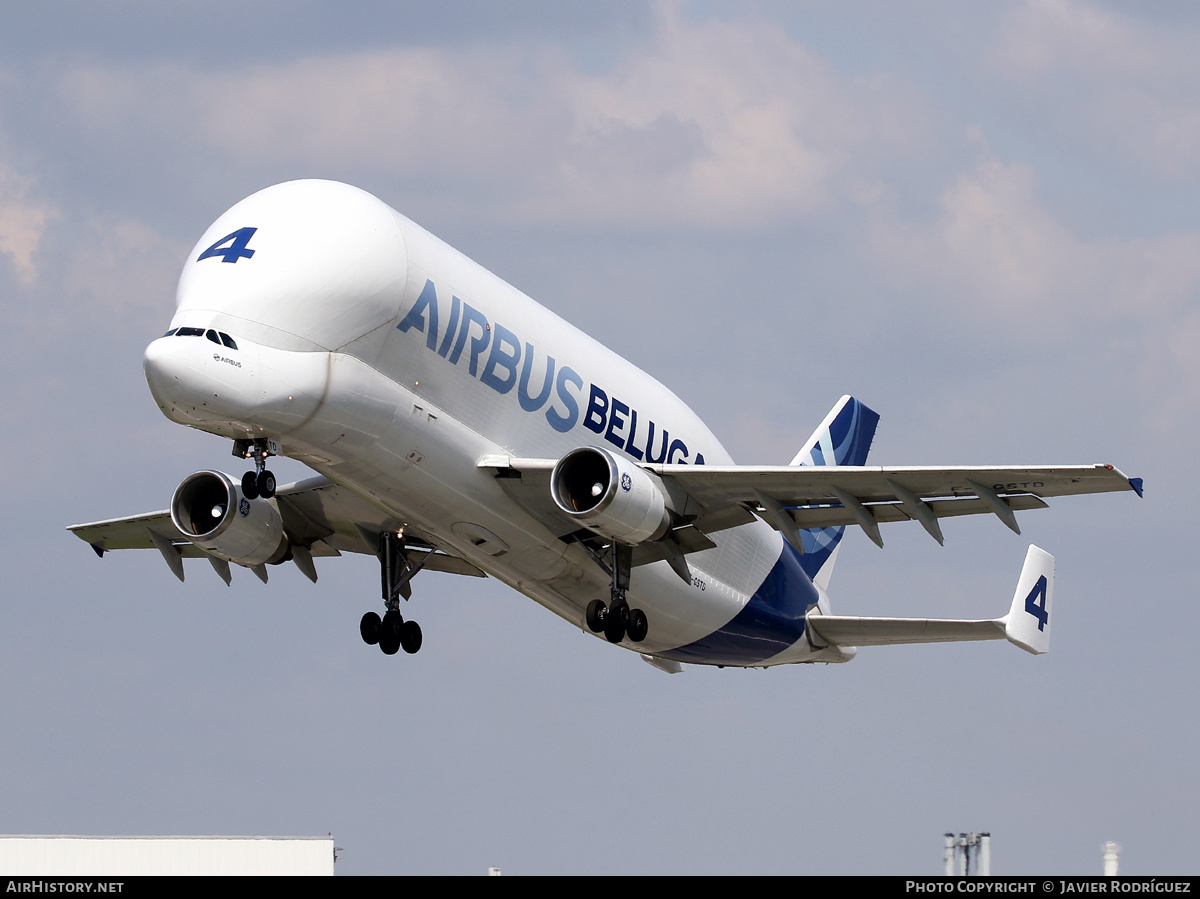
column 456, row 425
column 508, row 355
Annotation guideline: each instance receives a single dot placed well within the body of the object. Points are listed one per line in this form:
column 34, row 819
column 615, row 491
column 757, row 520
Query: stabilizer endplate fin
column 1027, row 623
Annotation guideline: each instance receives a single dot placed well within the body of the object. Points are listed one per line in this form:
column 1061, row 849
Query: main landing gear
column 616, row 620
column 391, row 632
column 260, row 482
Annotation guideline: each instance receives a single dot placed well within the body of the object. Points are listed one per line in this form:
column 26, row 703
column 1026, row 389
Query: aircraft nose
column 165, row 370
column 196, row 377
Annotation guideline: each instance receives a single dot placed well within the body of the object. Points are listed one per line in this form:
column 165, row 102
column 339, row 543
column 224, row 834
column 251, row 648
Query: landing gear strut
column 260, row 482
column 391, row 632
column 616, row 620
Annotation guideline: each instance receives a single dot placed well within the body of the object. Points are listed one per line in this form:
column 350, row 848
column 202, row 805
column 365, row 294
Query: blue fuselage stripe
column 770, row 622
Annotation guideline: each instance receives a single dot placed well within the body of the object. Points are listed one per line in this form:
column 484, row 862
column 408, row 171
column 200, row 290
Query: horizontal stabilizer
column 844, row 630
column 1026, row 625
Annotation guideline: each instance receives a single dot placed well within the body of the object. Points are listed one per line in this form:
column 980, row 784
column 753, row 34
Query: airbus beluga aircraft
column 456, row 425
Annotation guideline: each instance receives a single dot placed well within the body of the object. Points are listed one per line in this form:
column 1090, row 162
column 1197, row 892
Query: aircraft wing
column 831, row 495
column 794, row 498
column 320, row 518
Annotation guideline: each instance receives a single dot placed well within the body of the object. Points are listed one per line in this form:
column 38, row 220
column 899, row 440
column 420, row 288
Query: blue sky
column 980, row 219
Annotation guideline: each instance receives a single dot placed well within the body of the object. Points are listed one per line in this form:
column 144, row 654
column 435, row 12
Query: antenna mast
column 959, row 851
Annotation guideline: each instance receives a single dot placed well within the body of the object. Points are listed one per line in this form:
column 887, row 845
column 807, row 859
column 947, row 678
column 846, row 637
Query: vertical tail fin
column 843, row 438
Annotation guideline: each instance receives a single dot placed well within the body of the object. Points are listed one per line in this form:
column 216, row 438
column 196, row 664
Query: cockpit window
column 217, row 337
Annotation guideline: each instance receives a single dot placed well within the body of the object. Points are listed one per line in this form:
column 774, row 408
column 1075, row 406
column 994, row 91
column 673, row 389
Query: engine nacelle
column 608, row 494
column 211, row 511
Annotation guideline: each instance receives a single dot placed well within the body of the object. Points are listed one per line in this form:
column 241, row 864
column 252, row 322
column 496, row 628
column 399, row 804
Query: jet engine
column 210, row 509
column 610, row 495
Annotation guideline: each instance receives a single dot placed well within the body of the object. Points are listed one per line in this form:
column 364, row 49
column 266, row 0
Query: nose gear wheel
column 261, row 481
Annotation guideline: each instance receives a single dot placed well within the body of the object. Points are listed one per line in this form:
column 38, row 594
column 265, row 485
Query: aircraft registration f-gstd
column 458, row 426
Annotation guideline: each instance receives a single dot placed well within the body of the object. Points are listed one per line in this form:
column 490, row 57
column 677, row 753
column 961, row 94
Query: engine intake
column 610, row 495
column 210, row 509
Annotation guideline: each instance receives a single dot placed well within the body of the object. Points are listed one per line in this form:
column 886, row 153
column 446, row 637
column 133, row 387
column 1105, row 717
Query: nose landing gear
column 260, row 482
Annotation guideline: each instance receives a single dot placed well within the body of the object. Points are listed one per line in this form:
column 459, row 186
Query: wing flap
column 830, row 516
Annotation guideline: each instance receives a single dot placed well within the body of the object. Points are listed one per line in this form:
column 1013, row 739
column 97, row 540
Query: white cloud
column 760, row 126
column 397, row 109
column 1043, row 35
column 121, row 265
column 994, row 249
column 729, row 124
column 995, row 266
column 1129, row 82
column 22, row 223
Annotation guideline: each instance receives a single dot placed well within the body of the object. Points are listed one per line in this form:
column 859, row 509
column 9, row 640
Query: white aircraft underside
column 473, row 431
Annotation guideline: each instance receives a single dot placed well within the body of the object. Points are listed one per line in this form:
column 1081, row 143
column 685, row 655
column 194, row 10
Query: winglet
column 1136, row 484
column 1027, row 623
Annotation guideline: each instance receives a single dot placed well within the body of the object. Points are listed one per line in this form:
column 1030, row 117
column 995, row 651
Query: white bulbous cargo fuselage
column 481, row 431
column 391, row 363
